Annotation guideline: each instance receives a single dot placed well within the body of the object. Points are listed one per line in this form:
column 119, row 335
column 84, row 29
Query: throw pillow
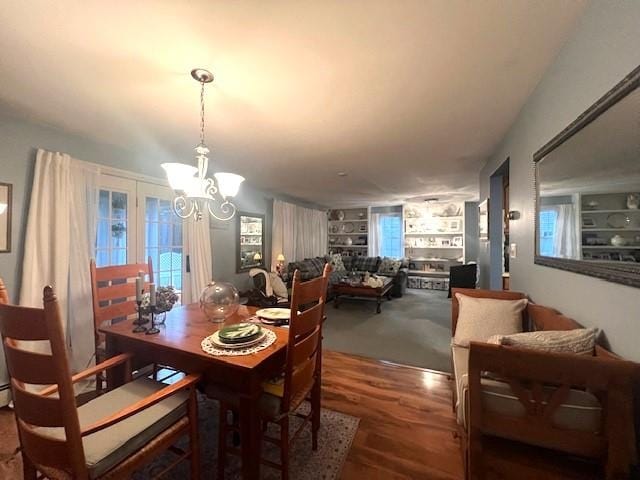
column 481, row 318
column 366, row 264
column 337, row 264
column 580, row 341
column 278, row 286
column 389, row 266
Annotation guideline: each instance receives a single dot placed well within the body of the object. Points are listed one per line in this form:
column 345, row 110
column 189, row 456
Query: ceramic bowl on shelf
column 618, row 241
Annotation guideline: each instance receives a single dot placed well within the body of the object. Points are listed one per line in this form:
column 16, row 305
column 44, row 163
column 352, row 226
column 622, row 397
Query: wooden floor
column 406, row 427
column 406, row 423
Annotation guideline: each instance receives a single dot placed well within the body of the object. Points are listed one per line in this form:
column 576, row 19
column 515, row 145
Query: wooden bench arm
column 143, row 404
column 89, row 372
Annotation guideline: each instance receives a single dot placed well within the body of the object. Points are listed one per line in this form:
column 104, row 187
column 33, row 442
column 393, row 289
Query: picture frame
column 456, row 241
column 6, row 191
column 445, row 242
column 588, row 222
column 483, row 221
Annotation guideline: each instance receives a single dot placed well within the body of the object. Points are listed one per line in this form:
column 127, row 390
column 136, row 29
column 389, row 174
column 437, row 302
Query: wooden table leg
column 116, row 375
column 379, row 302
column 250, row 436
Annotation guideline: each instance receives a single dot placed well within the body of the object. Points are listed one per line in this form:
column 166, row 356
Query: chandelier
column 195, row 193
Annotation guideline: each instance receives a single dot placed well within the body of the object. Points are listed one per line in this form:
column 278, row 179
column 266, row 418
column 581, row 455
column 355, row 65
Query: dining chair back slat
column 4, row 296
column 36, row 409
column 305, row 330
column 28, row 367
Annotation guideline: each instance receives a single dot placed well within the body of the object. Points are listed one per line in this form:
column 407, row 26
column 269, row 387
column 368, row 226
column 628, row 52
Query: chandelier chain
column 201, row 113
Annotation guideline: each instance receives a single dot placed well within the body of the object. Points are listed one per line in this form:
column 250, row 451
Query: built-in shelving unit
column 348, row 231
column 609, row 226
column 433, row 241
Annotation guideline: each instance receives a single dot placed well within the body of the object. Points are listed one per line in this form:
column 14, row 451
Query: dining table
column 178, row 345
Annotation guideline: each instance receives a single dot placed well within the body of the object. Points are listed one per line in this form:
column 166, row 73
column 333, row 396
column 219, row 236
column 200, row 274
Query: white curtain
column 297, row 232
column 59, row 243
column 375, row 234
column 566, row 238
column 197, row 245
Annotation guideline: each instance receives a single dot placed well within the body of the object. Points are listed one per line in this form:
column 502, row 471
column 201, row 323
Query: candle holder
column 140, row 321
column 154, row 328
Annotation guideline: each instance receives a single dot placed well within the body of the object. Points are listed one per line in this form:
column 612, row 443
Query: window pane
column 165, row 235
column 164, row 279
column 118, row 256
column 119, row 205
column 102, row 258
column 119, row 234
column 176, row 259
column 151, row 208
column 151, row 236
column 177, row 233
column 153, row 253
column 165, row 260
column 103, row 234
column 177, row 280
column 103, row 204
column 166, row 212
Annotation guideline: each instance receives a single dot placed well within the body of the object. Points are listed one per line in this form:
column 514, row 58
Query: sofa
column 342, row 265
column 581, row 405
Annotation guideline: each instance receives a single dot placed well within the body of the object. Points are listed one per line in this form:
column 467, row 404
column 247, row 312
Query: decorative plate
column 274, row 313
column 239, row 333
column 349, row 228
column 334, row 228
column 215, row 340
column 618, row 220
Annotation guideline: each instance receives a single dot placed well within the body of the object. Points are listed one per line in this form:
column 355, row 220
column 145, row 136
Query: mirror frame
column 624, row 274
column 239, row 267
column 9, row 188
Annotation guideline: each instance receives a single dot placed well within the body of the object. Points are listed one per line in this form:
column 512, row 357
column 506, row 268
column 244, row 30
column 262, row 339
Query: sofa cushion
column 389, row 266
column 581, row 341
column 337, row 264
column 460, row 357
column 580, row 411
column 106, row 448
column 366, row 264
column 347, row 260
column 481, row 318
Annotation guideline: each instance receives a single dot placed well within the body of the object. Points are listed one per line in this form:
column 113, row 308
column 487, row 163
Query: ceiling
column 409, row 98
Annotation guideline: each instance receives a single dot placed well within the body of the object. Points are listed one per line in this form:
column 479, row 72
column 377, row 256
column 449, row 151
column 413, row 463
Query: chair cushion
column 581, row 341
column 481, row 318
column 274, row 386
column 460, row 356
column 108, row 447
column 389, row 266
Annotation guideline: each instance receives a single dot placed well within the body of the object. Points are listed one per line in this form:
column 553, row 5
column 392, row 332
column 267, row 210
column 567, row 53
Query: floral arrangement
column 166, row 297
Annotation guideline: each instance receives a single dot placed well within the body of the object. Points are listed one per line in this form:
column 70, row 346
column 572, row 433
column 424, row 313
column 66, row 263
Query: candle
column 152, row 294
column 139, row 289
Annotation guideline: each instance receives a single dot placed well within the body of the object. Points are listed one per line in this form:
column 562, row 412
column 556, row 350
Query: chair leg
column 194, row 438
column 315, row 414
column 28, row 470
column 222, row 440
column 284, row 447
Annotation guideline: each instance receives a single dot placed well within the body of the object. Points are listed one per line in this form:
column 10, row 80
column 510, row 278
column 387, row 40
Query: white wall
column 602, row 49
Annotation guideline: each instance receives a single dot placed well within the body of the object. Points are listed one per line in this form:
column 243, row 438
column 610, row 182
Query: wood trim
column 9, row 214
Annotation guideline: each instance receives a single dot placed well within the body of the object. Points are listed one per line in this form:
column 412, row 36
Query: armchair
column 110, row 436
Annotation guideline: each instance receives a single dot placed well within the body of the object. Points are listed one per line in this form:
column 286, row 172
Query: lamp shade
column 280, row 258
column 228, row 184
column 180, row 175
column 257, row 257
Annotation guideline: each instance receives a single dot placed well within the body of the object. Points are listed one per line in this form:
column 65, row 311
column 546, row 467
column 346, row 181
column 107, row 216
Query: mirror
column 250, row 249
column 588, row 190
column 5, row 217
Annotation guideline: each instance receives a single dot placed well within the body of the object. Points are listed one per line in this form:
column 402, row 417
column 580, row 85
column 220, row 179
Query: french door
column 135, row 221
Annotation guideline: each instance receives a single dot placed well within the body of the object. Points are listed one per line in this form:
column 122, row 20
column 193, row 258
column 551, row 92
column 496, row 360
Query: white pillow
column 481, row 318
column 278, row 286
column 580, row 341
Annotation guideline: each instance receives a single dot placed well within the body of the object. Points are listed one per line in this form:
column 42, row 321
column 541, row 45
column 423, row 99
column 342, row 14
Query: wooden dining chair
column 113, row 291
column 300, row 381
column 110, row 436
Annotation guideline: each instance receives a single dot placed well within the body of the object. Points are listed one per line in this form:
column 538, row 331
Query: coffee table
column 344, row 288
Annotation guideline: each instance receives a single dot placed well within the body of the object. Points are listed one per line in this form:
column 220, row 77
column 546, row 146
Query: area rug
column 412, row 330
column 336, row 434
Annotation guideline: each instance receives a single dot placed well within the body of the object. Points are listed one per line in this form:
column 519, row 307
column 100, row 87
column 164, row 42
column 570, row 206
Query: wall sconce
column 280, row 263
column 513, row 215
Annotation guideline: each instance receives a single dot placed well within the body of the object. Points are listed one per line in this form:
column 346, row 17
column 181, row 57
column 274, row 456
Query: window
column 391, row 235
column 548, row 219
column 135, row 220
